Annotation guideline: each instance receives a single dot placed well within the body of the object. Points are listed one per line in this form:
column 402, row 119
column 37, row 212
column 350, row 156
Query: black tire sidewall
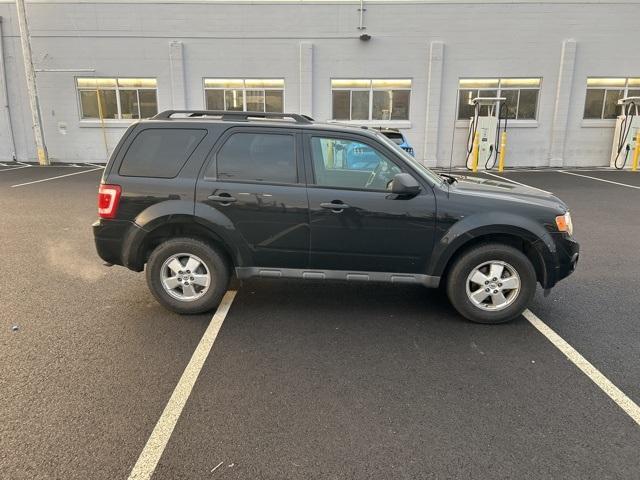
column 215, row 263
column 456, row 282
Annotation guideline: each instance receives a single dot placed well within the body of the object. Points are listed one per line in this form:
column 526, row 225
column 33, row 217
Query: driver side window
column 341, row 163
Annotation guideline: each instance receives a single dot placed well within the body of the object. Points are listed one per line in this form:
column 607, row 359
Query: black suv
column 197, row 196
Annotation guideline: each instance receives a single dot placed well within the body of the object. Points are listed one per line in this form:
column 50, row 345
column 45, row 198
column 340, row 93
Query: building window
column 521, row 96
column 602, row 97
column 250, row 95
column 370, row 100
column 117, row 98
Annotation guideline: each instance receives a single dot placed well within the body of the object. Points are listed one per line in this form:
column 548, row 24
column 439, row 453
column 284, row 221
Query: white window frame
column 244, row 89
column 500, row 89
column 117, row 89
column 625, row 88
column 371, row 89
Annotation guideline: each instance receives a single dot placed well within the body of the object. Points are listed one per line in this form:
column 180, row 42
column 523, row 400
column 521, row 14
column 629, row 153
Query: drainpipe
column 4, row 95
column 361, row 10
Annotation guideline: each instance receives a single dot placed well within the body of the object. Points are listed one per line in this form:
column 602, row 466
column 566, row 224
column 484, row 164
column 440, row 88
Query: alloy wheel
column 493, row 285
column 185, row 277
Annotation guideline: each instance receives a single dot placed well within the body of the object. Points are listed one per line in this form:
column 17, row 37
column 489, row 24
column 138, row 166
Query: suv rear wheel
column 491, row 283
column 187, row 275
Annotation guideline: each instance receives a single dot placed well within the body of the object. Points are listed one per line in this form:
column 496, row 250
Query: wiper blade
column 449, row 178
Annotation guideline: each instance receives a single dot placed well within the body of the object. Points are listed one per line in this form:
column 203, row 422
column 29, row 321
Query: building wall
column 263, row 39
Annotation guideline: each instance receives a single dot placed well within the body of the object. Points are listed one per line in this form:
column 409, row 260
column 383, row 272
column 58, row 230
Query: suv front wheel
column 187, row 275
column 491, row 283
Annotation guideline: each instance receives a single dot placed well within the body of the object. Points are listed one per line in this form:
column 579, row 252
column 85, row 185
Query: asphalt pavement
column 310, row 380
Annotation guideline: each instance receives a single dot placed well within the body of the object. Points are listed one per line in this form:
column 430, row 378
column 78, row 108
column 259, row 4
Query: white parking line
column 617, row 395
column 556, row 169
column 600, row 179
column 150, row 456
column 14, row 168
column 513, row 181
column 602, row 169
column 54, row 178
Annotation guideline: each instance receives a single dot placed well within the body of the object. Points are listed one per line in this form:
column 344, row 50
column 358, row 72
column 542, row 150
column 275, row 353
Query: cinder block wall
column 263, row 39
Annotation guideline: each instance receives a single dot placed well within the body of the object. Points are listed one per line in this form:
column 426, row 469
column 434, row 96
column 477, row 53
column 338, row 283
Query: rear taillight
column 108, row 199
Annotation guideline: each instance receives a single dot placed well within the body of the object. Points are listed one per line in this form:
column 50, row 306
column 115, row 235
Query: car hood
column 506, row 191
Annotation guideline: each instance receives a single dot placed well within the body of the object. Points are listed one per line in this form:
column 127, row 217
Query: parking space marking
column 556, row 169
column 617, row 395
column 150, row 456
column 16, row 163
column 55, row 178
column 602, row 169
column 513, row 181
column 14, row 168
column 600, row 179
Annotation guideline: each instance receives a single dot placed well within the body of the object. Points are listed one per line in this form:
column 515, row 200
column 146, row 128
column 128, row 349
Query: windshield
column 422, row 170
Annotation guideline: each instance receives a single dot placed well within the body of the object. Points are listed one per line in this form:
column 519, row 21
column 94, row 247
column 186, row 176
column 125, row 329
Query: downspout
column 361, row 10
column 5, row 95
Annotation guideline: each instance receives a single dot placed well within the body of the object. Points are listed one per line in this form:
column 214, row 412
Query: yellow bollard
column 636, row 152
column 42, row 157
column 503, row 146
column 475, row 152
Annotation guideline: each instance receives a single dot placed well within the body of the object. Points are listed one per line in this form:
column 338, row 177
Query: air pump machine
column 626, row 132
column 485, row 145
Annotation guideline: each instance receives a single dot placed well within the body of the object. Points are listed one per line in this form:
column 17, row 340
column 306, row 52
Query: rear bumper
column 567, row 256
column 109, row 238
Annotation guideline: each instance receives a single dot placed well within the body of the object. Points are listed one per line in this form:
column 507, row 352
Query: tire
column 482, row 263
column 187, row 292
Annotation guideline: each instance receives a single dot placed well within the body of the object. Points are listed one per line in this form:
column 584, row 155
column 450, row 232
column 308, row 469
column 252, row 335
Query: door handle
column 336, row 207
column 224, row 199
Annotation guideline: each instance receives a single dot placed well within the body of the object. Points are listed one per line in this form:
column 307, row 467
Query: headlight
column 564, row 223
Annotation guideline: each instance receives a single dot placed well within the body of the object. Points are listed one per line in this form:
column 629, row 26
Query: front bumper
column 567, row 257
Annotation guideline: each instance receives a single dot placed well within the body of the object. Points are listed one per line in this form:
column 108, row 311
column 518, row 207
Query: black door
column 252, row 190
column 356, row 224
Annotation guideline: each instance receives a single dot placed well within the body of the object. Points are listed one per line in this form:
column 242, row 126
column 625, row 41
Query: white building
column 562, row 65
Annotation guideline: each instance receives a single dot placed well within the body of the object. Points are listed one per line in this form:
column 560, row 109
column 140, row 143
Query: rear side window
column 257, row 157
column 160, row 152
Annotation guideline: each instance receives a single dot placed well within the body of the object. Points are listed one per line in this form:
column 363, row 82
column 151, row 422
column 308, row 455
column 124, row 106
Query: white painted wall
column 262, row 39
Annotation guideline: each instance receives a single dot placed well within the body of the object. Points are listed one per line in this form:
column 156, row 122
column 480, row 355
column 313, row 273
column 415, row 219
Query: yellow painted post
column 636, row 152
column 42, row 157
column 475, row 152
column 503, row 146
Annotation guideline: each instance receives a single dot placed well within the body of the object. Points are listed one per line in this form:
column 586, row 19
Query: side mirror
column 404, row 185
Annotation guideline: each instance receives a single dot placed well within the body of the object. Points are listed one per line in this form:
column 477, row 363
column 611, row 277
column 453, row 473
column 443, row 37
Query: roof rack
column 234, row 116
